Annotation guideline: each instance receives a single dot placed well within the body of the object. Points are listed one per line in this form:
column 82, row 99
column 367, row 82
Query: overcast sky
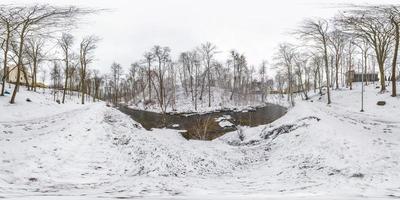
column 252, row 27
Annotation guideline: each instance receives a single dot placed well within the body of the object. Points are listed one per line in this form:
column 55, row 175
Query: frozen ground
column 92, row 151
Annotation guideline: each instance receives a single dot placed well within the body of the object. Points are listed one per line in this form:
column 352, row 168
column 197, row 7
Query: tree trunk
column 337, row 71
column 83, row 86
column 209, row 85
column 5, row 57
column 394, row 63
column 34, row 82
column 66, row 75
column 327, row 72
column 19, row 65
column 149, row 77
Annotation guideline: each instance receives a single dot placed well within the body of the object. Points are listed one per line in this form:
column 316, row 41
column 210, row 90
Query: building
column 12, row 77
column 358, row 77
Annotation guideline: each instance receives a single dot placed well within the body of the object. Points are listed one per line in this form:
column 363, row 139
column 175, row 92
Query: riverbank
column 220, row 101
column 210, row 125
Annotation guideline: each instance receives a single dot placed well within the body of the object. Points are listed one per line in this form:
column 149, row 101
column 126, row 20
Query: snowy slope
column 41, row 105
column 344, row 152
column 314, row 152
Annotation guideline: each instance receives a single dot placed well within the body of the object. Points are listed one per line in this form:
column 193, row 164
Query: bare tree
column 9, row 24
column 301, row 60
column 369, row 24
column 40, row 19
column 394, row 16
column 55, row 75
column 98, row 80
column 208, row 52
column 66, row 41
column 285, row 57
column 87, row 46
column 234, row 57
column 34, row 51
column 162, row 57
column 317, row 31
column 116, row 73
column 263, row 73
column 338, row 42
column 133, row 71
column 149, row 58
column 201, row 127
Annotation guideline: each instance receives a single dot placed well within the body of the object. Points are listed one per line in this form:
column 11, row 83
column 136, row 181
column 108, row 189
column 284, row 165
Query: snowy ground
column 92, row 151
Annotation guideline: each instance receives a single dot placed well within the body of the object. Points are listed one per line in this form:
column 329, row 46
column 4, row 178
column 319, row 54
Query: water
column 206, row 126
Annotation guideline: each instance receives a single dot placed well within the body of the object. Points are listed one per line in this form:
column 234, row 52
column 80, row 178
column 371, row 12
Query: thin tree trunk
column 394, row 63
column 19, row 65
column 327, row 72
column 5, row 57
column 66, row 74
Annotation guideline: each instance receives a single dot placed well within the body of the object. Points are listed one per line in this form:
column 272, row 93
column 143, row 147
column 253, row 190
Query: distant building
column 12, row 77
column 358, row 77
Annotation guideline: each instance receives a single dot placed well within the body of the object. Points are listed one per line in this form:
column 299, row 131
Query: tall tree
column 162, row 57
column 263, row 73
column 394, row 16
column 338, row 42
column 35, row 53
column 208, row 52
column 39, row 19
column 87, row 46
column 285, row 57
column 116, row 73
column 65, row 42
column 317, row 31
column 149, row 58
column 9, row 23
column 369, row 24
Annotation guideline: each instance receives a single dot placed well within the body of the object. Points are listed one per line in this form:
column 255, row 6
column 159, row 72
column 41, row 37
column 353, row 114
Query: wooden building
column 358, row 77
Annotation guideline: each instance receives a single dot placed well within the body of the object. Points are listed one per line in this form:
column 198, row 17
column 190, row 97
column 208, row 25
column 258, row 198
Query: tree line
column 24, row 33
column 157, row 78
column 355, row 40
column 330, row 50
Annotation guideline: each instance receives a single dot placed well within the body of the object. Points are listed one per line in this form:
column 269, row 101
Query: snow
column 41, row 105
column 225, row 124
column 220, row 100
column 92, row 151
column 223, row 118
column 223, row 121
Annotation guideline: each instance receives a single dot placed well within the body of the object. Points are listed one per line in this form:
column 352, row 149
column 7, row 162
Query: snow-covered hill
column 92, row 151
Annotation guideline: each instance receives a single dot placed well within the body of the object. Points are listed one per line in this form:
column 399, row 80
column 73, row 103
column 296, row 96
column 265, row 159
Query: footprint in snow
column 26, row 128
column 44, row 126
column 6, row 126
column 387, row 130
column 8, row 132
column 33, row 179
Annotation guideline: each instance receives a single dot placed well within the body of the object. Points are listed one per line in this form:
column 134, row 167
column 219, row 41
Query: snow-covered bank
column 220, row 101
column 314, row 152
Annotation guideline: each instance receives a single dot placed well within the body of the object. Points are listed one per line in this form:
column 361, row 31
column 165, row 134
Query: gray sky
column 252, row 27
